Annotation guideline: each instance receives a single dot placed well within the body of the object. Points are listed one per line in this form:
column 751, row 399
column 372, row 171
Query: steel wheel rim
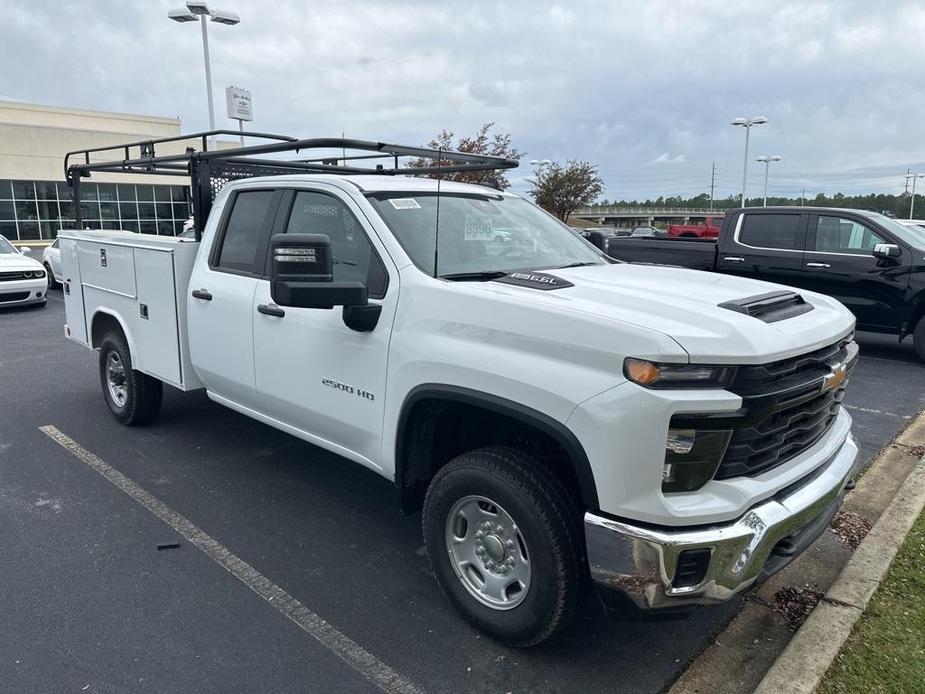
column 115, row 379
column 488, row 552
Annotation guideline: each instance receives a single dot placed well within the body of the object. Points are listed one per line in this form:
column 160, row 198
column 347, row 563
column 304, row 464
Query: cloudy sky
column 645, row 89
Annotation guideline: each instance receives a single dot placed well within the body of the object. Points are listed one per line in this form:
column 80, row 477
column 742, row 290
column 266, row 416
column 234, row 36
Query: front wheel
column 133, row 398
column 918, row 338
column 501, row 534
column 52, row 282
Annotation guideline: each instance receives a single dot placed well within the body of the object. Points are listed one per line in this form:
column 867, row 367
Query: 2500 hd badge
column 343, row 387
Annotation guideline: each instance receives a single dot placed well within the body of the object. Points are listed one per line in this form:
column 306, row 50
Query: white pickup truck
column 672, row 435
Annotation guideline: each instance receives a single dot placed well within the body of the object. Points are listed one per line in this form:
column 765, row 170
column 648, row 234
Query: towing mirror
column 302, row 274
column 886, row 250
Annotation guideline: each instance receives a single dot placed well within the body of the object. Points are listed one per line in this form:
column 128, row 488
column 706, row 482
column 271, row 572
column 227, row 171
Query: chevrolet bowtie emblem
column 835, row 379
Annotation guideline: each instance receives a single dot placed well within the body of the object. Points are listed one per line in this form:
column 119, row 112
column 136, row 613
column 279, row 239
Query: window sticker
column 404, row 203
column 477, row 230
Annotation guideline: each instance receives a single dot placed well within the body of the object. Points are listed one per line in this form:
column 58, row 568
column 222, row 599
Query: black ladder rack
column 209, row 170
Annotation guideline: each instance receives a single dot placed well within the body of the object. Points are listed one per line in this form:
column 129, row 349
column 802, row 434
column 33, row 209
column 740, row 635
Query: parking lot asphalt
column 90, row 604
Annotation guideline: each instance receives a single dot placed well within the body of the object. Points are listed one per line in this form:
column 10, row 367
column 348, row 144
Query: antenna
column 437, row 225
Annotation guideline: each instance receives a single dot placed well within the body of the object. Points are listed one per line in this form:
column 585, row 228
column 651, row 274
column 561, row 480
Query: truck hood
column 684, row 305
column 11, row 262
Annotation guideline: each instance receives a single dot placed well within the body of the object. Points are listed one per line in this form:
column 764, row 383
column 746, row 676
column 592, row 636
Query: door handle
column 203, row 294
column 733, row 259
column 270, row 310
column 818, row 265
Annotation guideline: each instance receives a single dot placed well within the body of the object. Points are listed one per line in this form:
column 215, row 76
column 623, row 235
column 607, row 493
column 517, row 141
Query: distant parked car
column 22, row 279
column 708, row 230
column 651, row 232
column 51, row 260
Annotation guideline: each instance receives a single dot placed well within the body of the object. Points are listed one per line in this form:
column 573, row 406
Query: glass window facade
column 38, row 209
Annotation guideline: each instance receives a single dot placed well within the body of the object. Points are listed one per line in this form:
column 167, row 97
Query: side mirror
column 302, row 274
column 24, row 249
column 886, row 250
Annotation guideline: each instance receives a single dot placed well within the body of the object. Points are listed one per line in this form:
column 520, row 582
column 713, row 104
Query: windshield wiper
column 474, row 276
column 562, row 267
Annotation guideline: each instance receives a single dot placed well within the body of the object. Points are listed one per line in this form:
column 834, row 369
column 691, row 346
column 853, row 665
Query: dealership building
column 35, row 201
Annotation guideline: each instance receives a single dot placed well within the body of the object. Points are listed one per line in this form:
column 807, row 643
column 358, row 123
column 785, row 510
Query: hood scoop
column 535, row 280
column 770, row 307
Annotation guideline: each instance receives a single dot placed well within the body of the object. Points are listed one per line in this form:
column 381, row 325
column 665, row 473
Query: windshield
column 7, row 247
column 914, row 236
column 481, row 234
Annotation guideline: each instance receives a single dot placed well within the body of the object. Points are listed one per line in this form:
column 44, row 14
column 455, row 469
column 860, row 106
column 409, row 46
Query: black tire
column 142, row 396
column 545, row 516
column 52, row 282
column 918, row 338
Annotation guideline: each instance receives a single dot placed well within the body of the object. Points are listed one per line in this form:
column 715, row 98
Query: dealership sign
column 239, row 103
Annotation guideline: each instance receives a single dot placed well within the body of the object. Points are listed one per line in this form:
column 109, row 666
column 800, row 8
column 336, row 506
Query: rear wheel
column 501, row 534
column 133, row 398
column 918, row 338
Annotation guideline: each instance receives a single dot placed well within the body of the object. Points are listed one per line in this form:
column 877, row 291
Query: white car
column 22, row 279
column 51, row 260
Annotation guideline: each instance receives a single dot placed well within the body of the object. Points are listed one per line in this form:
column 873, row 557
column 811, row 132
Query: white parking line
column 871, row 411
column 338, row 643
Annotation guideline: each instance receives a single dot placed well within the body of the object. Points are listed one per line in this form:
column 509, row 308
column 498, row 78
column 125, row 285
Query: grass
column 886, row 649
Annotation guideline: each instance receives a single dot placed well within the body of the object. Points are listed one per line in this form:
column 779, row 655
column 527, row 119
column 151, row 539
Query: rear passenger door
column 765, row 245
column 838, row 262
column 313, row 372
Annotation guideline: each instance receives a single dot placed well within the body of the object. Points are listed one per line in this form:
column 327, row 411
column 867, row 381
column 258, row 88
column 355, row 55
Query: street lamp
column 200, row 10
column 766, row 160
column 912, row 202
column 747, row 123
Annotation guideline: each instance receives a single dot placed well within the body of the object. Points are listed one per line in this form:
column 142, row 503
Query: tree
column 562, row 189
column 492, row 144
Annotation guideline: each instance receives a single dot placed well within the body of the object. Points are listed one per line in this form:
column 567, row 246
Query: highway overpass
column 622, row 217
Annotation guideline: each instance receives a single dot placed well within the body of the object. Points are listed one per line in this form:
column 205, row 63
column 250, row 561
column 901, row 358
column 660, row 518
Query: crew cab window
column 840, row 235
column 771, row 231
column 244, row 239
column 353, row 255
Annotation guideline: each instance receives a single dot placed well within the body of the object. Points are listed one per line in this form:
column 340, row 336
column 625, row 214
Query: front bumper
column 648, row 563
column 19, row 292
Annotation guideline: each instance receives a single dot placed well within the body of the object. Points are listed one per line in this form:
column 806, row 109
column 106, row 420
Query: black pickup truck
column 873, row 265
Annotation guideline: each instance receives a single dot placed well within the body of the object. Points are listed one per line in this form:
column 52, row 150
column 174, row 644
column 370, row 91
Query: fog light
column 691, row 458
column 680, row 441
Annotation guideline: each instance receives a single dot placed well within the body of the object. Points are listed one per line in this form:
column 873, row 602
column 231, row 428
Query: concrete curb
column 810, row 653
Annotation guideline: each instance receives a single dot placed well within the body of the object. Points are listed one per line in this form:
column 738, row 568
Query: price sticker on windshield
column 405, row 203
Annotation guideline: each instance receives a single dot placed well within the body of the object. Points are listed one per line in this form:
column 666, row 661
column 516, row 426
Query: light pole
column 912, row 202
column 766, row 160
column 200, row 10
column 747, row 123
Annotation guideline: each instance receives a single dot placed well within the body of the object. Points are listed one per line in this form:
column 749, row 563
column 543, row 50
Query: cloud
column 610, row 83
column 666, row 158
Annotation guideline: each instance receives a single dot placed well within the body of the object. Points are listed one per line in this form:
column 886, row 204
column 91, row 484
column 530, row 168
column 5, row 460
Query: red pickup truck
column 709, row 230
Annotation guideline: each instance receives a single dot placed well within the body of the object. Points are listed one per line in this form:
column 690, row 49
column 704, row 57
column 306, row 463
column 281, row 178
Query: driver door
column 838, row 261
column 313, row 372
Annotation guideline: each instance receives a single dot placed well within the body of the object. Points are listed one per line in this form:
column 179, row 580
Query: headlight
column 652, row 375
